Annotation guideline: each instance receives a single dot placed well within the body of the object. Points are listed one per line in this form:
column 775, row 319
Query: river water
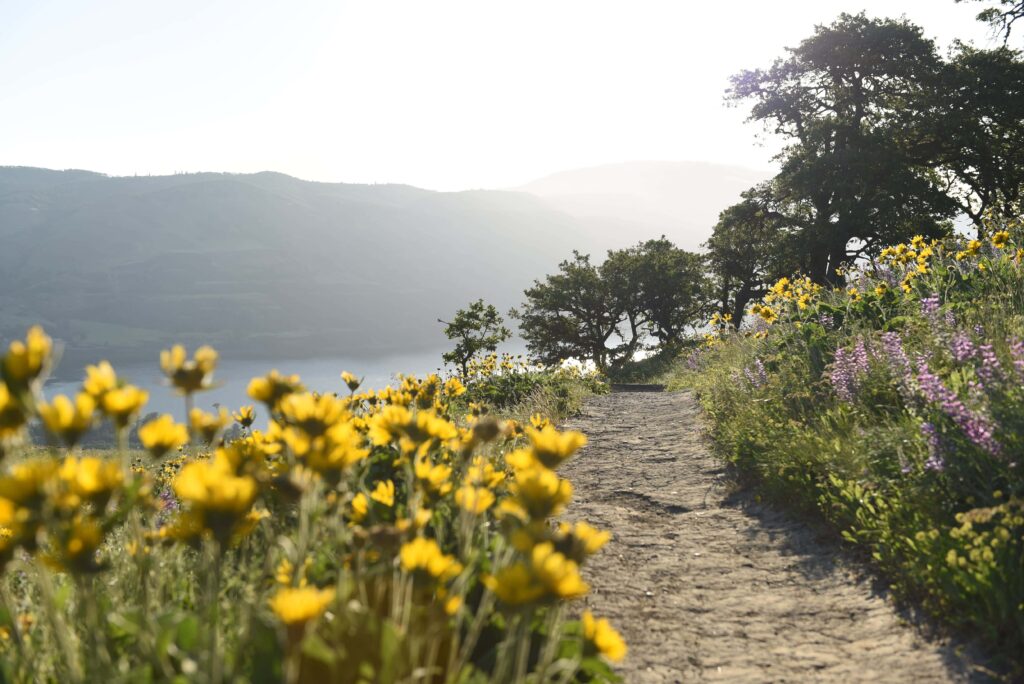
column 233, row 376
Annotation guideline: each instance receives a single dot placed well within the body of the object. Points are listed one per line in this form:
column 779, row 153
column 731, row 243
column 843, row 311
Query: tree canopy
column 477, row 328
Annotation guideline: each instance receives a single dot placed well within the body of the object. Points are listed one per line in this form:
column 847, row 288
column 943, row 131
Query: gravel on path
column 706, row 585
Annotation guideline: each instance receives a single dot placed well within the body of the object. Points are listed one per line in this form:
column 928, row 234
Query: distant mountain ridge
column 265, row 265
column 261, row 265
column 681, row 200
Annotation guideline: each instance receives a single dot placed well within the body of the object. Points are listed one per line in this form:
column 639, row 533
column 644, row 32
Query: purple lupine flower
column 897, row 362
column 848, row 367
column 756, row 374
column 929, row 305
column 842, row 377
column 860, row 357
column 962, row 347
column 979, row 330
column 975, row 426
column 826, row 321
column 1017, row 354
column 935, row 462
column 950, row 319
column 989, row 369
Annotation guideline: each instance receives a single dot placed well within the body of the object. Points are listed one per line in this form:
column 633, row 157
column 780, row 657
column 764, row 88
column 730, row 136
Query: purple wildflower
column 847, row 369
column 989, row 370
column 929, row 305
column 962, row 347
column 977, row 427
column 826, row 321
column 756, row 374
column 950, row 319
column 1017, row 354
column 935, row 462
column 897, row 361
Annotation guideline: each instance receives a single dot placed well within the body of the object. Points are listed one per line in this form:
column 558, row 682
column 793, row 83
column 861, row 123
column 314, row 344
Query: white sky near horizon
column 447, row 95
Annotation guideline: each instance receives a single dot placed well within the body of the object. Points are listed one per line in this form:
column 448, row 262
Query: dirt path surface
column 708, row 587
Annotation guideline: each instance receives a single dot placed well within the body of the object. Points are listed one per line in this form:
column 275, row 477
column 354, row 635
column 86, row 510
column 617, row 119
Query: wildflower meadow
column 892, row 409
column 408, row 534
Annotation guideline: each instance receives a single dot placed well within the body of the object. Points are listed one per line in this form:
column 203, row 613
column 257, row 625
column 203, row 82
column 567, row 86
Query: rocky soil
column 707, row 585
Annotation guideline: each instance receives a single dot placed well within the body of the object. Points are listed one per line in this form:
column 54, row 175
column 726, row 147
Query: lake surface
column 232, row 378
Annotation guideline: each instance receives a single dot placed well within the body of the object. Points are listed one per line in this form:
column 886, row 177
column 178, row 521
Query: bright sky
column 443, row 94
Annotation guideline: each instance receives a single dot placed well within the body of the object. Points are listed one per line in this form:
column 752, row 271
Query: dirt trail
column 705, row 586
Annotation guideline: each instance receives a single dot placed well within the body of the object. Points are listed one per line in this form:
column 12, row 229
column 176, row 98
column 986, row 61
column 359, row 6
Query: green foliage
column 475, row 329
column 605, row 314
column 895, row 413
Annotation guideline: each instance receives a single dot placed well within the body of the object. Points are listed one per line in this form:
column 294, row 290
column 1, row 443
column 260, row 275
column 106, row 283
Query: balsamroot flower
column 425, row 556
column 551, row 447
column 351, row 381
column 245, row 416
column 123, row 403
column 540, row 492
column 433, row 479
column 90, row 479
column 474, row 500
column 99, row 380
column 189, row 375
column 603, row 637
column 274, row 387
column 219, row 498
column 580, row 540
column 27, row 360
column 12, row 415
column 547, row 575
column 162, row 434
column 207, row 426
column 384, row 493
column 297, row 606
column 66, row 420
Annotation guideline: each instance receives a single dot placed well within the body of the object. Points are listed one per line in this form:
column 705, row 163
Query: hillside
column 261, row 265
column 624, row 203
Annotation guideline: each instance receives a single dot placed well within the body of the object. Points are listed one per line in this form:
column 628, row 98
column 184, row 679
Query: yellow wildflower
column 99, row 380
column 603, row 636
column 474, row 500
column 12, row 414
column 514, row 585
column 435, row 478
column 425, row 555
column 207, row 426
column 384, row 493
column 162, row 435
column 26, row 361
column 351, row 381
column 123, row 403
column 245, row 416
column 540, row 492
column 360, row 506
column 25, row 481
column 559, row 575
column 551, row 447
column 189, row 375
column 1000, row 239
column 90, row 477
column 215, row 493
column 273, row 387
column 297, row 606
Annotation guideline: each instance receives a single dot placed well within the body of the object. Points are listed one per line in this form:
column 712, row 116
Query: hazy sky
column 437, row 93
